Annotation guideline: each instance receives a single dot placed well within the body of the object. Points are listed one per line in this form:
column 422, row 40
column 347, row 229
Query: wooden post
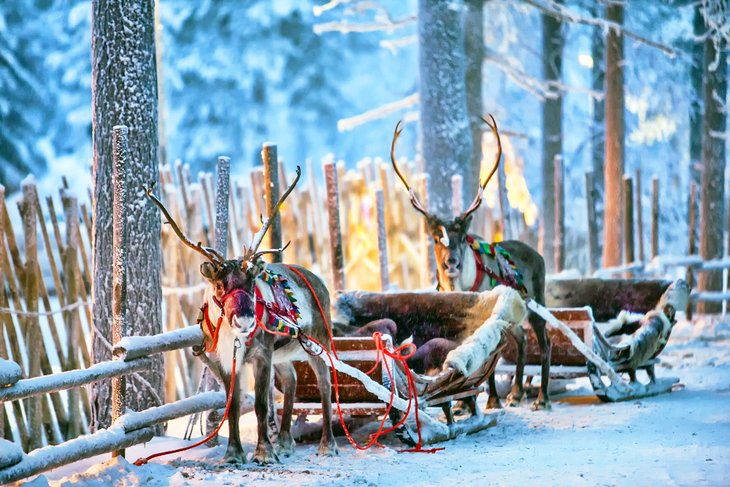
column 628, row 195
column 333, row 207
column 33, row 338
column 208, row 200
column 639, row 217
column 592, row 226
column 654, row 216
column 559, row 244
column 120, row 137
column 429, row 276
column 223, row 184
column 457, row 192
column 382, row 241
column 71, row 317
column 271, row 189
column 503, row 204
column 692, row 242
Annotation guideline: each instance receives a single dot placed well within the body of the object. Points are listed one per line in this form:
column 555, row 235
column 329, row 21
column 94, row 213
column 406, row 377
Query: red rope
column 143, row 461
column 382, row 350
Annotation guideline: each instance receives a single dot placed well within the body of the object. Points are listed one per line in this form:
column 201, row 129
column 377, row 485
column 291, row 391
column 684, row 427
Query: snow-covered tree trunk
column 124, row 91
column 552, row 133
column 445, row 133
column 614, row 162
column 474, row 51
column 712, row 199
column 695, row 107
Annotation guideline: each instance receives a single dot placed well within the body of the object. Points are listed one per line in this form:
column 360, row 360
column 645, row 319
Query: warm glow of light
column 585, row 60
column 518, row 196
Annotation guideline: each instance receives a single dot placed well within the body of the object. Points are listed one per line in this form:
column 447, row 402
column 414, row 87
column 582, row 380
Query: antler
column 414, row 198
column 482, row 186
column 252, row 253
column 208, row 252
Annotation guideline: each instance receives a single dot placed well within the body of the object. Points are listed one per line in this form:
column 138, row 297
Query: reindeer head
column 233, row 281
column 449, row 236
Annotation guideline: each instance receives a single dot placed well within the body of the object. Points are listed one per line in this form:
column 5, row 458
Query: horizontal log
column 10, row 372
column 205, row 401
column 10, row 453
column 73, row 378
column 606, row 297
column 86, row 446
column 710, row 296
column 132, row 347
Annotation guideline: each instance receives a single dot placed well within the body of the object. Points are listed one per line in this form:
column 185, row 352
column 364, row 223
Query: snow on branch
column 394, row 44
column 561, row 12
column 350, row 123
column 540, row 89
column 717, row 17
column 318, row 10
column 345, row 27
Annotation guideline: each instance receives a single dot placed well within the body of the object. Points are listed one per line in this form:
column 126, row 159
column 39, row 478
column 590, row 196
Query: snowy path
column 678, row 439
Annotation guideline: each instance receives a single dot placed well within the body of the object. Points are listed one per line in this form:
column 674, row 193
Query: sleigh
column 577, row 338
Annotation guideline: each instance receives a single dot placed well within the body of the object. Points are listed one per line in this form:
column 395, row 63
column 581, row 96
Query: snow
column 10, row 453
column 679, row 438
column 10, row 372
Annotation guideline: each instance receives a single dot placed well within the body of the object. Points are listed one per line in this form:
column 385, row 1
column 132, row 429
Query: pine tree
column 124, row 92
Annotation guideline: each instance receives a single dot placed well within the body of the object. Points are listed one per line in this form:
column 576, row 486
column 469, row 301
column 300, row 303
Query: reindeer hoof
column 235, row 457
column 494, row 403
column 285, row 445
column 515, row 399
column 328, row 450
column 541, row 405
column 265, row 456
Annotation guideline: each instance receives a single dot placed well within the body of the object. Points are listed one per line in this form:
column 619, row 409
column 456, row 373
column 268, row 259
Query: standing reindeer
column 250, row 312
column 466, row 263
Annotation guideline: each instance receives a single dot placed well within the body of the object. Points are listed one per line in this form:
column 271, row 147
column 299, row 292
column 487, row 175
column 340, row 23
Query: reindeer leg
column 327, row 445
column 493, row 401
column 543, row 397
column 288, row 379
column 264, row 454
column 234, row 452
column 517, row 395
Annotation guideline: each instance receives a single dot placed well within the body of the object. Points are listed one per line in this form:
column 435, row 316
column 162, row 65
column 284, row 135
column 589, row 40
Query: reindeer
column 239, row 308
column 462, row 267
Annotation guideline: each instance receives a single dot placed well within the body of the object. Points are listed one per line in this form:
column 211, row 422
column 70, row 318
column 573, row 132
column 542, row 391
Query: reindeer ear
column 208, row 270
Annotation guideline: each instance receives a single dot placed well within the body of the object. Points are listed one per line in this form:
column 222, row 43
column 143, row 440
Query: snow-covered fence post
column 271, row 189
column 628, row 194
column 33, row 338
column 183, row 184
column 120, row 146
column 73, row 326
column 257, row 189
column 559, row 231
column 692, row 240
column 592, row 226
column 639, row 216
column 382, row 241
column 457, row 194
column 222, row 190
column 3, row 350
column 333, row 210
column 654, row 216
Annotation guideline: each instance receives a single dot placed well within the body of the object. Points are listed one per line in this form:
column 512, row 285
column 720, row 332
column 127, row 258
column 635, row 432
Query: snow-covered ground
column 682, row 438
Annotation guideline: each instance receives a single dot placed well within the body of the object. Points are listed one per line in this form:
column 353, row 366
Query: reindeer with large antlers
column 266, row 314
column 466, row 263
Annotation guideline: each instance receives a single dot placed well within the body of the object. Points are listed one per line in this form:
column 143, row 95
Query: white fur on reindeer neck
column 507, row 310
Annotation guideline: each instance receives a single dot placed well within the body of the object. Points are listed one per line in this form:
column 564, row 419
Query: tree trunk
column 444, row 119
column 124, row 91
column 614, row 163
column 598, row 135
column 552, row 134
column 695, row 108
column 474, row 49
column 712, row 199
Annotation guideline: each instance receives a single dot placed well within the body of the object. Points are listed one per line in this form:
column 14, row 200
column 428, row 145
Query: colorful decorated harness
column 283, row 312
column 508, row 274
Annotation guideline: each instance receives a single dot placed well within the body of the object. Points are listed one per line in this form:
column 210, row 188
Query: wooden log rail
column 131, row 354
